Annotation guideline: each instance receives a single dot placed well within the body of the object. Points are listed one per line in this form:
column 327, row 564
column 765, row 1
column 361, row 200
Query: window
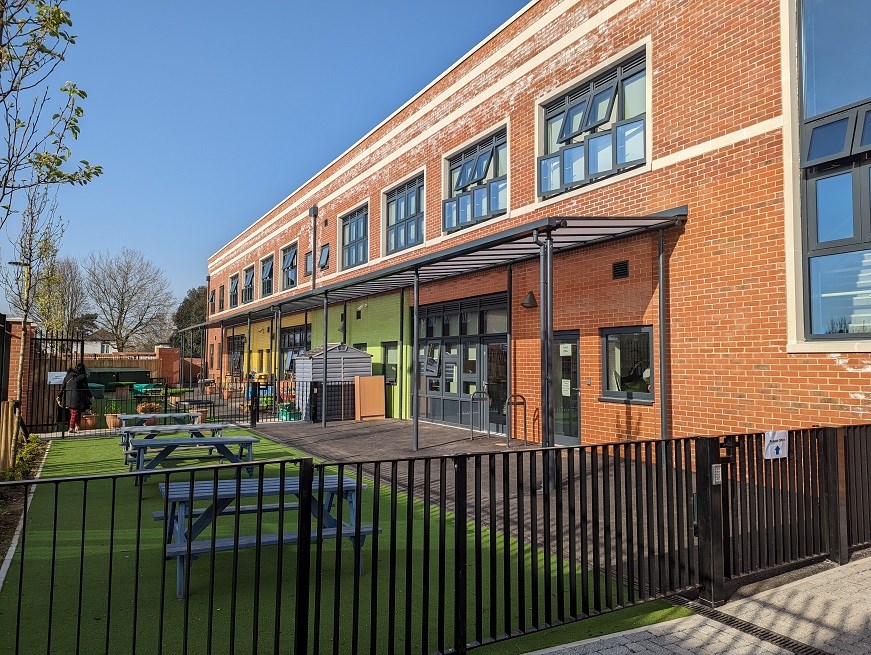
column 236, row 351
column 405, row 215
column 221, row 298
column 324, row 259
column 478, row 183
column 595, row 130
column 627, row 364
column 355, row 239
column 266, row 277
column 836, row 168
column 212, row 301
column 211, row 355
column 288, row 267
column 248, row 285
column 234, row 291
column 308, row 263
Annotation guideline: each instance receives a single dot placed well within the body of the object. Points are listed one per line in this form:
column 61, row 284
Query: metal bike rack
column 517, row 400
column 481, row 397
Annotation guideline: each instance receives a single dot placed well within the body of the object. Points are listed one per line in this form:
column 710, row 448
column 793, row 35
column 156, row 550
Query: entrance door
column 496, row 382
column 566, row 389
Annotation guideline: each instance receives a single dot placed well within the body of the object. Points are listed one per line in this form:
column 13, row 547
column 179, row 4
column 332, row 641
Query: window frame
column 611, row 395
column 221, row 298
column 324, row 258
column 809, row 127
column 248, row 285
column 309, row 264
column 462, row 194
column 234, row 291
column 267, row 284
column 360, row 217
column 611, row 79
column 394, row 195
column 211, row 302
column 285, row 280
column 859, row 128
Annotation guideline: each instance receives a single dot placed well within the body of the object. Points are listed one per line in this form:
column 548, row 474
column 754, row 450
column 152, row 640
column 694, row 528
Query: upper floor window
column 595, row 130
column 355, row 238
column 212, row 301
column 221, row 298
column 324, row 259
column 248, row 285
column 478, row 183
column 234, row 291
column 405, row 215
column 308, row 263
column 288, row 267
column 266, row 276
column 836, row 167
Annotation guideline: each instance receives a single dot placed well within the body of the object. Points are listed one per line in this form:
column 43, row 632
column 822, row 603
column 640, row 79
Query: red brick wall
column 714, row 70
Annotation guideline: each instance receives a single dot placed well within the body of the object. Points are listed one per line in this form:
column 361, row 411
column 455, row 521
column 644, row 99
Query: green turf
column 384, row 600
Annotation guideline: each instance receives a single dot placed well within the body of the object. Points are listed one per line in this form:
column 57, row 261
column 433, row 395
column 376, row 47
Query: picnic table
column 202, row 403
column 139, row 450
column 131, row 426
column 140, row 419
column 182, row 542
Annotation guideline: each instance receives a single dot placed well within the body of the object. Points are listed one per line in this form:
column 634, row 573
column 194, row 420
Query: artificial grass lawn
column 140, row 613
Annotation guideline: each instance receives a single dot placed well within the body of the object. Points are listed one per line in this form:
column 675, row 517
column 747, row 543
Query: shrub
column 148, row 408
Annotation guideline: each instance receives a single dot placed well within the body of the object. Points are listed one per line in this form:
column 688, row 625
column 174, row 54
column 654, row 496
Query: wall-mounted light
column 529, row 301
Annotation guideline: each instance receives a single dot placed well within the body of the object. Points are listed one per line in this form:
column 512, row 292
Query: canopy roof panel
column 509, row 246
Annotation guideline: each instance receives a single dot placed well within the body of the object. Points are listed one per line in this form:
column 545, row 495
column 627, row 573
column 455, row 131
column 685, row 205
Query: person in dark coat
column 77, row 395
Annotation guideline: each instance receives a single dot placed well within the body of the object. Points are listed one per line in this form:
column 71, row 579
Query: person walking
column 77, row 395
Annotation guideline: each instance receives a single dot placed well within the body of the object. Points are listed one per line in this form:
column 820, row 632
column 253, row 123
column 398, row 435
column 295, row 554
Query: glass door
column 566, row 389
column 496, row 382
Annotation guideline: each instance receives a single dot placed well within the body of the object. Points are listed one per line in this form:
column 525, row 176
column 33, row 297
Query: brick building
column 701, row 170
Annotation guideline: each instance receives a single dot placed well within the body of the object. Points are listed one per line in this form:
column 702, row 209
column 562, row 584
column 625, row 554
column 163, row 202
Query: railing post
column 303, row 556
column 460, row 554
column 835, row 495
column 709, row 483
column 254, row 402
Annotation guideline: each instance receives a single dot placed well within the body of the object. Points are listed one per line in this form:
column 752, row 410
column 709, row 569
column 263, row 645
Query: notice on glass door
column 565, row 350
column 567, row 388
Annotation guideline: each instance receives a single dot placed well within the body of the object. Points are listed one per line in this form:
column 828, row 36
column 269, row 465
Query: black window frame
column 400, row 197
column 309, row 264
column 611, row 395
column 234, row 291
column 612, row 81
column 211, row 302
column 324, row 259
column 464, row 191
column 221, row 298
column 359, row 218
column 248, row 285
column 267, row 276
column 289, row 270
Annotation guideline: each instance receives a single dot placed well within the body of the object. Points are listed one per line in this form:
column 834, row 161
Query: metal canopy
column 509, row 246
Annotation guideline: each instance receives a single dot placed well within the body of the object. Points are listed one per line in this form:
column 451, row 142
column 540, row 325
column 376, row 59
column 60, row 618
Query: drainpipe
column 400, row 369
column 415, row 365
column 324, row 378
column 663, row 384
column 313, row 212
column 510, row 384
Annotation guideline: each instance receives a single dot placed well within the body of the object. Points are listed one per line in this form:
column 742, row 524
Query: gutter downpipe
column 400, row 365
column 663, row 384
column 324, row 377
column 542, row 315
column 415, row 365
column 510, row 390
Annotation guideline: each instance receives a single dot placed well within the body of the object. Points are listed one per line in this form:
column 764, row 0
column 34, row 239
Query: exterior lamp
column 529, row 301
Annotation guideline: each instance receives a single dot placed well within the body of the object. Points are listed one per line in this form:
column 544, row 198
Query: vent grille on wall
column 620, row 270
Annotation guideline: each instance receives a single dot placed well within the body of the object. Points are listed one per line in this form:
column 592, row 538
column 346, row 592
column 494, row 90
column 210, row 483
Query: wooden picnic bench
column 185, row 523
column 220, row 445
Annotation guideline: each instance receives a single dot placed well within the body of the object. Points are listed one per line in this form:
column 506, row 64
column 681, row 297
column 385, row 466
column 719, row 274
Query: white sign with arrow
column 776, row 444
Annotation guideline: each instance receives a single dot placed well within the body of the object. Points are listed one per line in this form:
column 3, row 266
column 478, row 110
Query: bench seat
column 203, row 546
column 243, row 509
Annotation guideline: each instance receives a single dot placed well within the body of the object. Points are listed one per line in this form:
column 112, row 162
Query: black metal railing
column 857, row 440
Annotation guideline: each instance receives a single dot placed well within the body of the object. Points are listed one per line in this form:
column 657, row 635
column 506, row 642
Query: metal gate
column 50, row 352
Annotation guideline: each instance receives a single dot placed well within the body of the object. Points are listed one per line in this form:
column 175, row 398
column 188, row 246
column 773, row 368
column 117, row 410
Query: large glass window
column 478, row 183
column 355, row 238
column 836, row 171
column 288, row 267
column 405, row 215
column 234, row 291
column 627, row 363
column 595, row 130
column 266, row 277
column 248, row 285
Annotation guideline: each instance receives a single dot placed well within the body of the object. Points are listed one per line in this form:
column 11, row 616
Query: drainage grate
column 749, row 628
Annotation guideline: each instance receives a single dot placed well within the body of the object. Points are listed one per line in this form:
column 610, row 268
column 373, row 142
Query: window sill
column 626, row 401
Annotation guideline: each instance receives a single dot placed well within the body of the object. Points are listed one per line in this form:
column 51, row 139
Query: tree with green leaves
column 33, row 42
column 191, row 311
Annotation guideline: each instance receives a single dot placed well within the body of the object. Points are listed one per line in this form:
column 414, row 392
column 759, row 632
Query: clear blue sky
column 206, row 113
